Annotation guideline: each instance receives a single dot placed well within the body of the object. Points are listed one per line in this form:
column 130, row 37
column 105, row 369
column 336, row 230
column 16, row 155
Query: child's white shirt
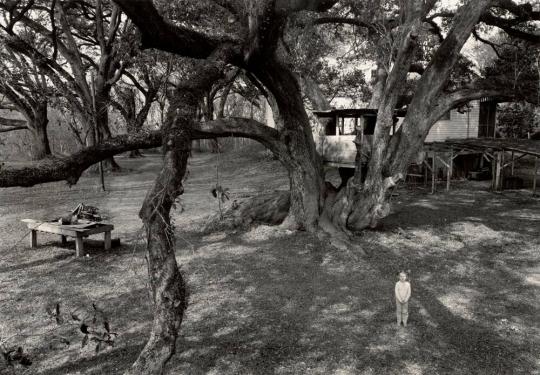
column 403, row 291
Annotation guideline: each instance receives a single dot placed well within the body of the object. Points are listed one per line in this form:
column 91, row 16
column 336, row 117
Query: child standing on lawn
column 403, row 293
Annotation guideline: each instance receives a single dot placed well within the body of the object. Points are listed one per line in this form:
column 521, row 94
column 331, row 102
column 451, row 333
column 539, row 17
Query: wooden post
column 493, row 171
column 535, row 173
column 33, row 238
column 107, row 240
column 503, row 153
column 512, row 163
column 449, row 169
column 482, row 160
column 425, row 174
column 433, row 173
column 498, row 171
column 79, row 245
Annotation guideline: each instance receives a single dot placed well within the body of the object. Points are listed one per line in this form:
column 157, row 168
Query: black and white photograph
column 270, row 187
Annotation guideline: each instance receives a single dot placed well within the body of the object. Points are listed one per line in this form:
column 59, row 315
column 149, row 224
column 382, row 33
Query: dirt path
column 267, row 301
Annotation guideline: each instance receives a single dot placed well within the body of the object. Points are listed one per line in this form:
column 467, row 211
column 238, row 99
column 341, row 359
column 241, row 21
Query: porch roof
column 524, row 146
column 354, row 112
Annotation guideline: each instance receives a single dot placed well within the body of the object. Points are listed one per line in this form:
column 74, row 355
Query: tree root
column 270, row 209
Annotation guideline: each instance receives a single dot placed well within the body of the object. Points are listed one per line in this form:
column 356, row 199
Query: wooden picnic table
column 77, row 231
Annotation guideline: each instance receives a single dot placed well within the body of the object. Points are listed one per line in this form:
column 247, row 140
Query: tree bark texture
column 40, row 140
column 36, row 123
column 168, row 287
column 298, row 154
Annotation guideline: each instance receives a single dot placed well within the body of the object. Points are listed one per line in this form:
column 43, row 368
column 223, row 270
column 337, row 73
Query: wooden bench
column 77, row 231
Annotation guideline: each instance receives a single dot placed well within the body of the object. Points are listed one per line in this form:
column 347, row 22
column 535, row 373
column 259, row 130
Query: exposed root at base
column 264, row 209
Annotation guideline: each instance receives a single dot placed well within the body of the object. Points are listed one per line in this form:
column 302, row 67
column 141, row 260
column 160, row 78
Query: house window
column 348, row 126
column 330, row 128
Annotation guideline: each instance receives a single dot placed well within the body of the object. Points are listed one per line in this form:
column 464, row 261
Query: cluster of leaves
column 92, row 323
column 220, row 193
column 16, row 355
column 204, row 16
column 517, row 66
column 462, row 74
column 517, row 120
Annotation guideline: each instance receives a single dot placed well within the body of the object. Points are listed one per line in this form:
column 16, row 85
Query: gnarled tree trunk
column 299, row 155
column 40, row 140
column 168, row 287
column 37, row 124
column 359, row 206
column 102, row 100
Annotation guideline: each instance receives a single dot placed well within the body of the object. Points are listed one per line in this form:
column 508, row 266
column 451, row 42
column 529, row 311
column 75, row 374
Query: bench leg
column 64, row 240
column 33, row 238
column 79, row 246
column 107, row 240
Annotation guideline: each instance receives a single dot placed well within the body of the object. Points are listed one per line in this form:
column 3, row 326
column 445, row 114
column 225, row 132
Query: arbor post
column 512, row 170
column 449, row 169
column 535, row 173
column 498, row 170
column 433, row 173
column 494, row 171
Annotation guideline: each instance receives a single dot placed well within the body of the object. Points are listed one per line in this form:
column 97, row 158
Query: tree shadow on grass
column 114, row 361
column 36, row 263
column 481, row 348
column 285, row 305
column 266, row 306
column 467, row 204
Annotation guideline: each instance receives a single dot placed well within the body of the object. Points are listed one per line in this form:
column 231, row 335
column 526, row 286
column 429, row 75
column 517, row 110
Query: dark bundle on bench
column 85, row 212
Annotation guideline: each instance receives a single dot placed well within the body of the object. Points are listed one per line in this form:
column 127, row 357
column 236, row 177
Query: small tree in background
column 517, row 120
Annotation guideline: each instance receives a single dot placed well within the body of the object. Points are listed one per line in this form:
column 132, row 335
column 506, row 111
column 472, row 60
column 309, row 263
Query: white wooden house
column 335, row 143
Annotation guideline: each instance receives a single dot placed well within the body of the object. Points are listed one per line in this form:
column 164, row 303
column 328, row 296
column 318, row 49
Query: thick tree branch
column 346, row 21
column 512, row 26
column 12, row 128
column 114, row 25
column 120, row 108
column 100, row 29
column 16, row 100
column 160, row 34
column 71, row 167
column 489, row 43
column 496, row 88
column 238, row 127
column 436, row 74
column 289, row 6
column 13, row 123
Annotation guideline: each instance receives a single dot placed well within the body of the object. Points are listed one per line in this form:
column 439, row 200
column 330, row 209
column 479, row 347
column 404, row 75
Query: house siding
column 457, row 127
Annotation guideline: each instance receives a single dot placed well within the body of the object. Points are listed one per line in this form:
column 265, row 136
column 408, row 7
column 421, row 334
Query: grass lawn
column 268, row 301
